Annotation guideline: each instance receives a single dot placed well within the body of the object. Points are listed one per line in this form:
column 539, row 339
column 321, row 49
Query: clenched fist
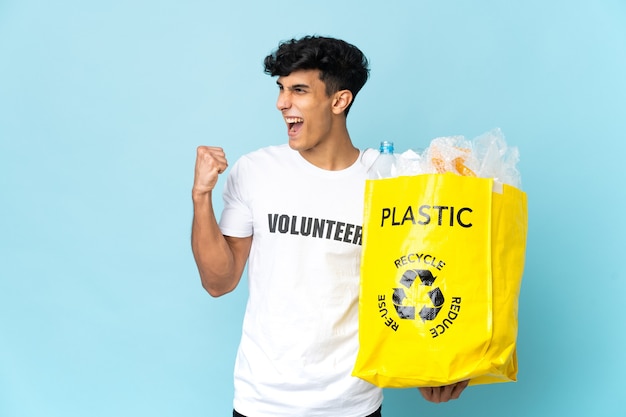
column 210, row 162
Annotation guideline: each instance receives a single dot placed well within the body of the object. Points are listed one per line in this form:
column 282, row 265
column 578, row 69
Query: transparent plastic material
column 486, row 156
column 386, row 165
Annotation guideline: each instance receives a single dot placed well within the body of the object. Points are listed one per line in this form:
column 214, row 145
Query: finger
column 211, row 157
column 427, row 393
column 452, row 391
column 221, row 166
column 442, row 394
column 458, row 389
column 436, row 395
column 210, row 163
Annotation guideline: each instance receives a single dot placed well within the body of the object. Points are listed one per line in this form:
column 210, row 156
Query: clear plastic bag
column 486, row 156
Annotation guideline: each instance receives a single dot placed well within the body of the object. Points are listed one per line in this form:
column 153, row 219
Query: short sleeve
column 236, row 219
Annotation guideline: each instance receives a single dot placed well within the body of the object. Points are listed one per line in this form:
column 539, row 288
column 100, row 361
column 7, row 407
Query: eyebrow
column 294, row 86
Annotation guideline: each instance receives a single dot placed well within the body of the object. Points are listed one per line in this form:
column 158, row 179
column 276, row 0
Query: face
column 306, row 109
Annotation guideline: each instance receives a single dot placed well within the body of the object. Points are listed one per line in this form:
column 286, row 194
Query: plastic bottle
column 385, row 165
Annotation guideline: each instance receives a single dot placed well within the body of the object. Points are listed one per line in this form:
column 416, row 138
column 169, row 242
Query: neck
column 333, row 154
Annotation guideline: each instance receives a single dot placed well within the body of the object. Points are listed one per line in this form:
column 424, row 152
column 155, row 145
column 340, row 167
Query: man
column 294, row 213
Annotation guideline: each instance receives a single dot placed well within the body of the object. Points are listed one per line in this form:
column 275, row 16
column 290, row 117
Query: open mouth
column 294, row 124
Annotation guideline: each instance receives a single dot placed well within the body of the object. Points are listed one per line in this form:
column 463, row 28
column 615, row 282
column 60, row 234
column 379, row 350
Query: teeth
column 294, row 119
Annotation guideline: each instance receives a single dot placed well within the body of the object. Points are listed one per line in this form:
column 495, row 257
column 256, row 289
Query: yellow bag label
column 426, row 311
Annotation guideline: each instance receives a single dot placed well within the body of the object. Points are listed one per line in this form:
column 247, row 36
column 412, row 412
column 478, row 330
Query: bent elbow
column 216, row 291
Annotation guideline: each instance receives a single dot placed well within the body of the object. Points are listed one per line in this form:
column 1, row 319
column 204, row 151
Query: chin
column 295, row 144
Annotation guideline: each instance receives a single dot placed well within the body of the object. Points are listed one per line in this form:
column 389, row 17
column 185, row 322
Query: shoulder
column 268, row 153
column 268, row 158
column 261, row 162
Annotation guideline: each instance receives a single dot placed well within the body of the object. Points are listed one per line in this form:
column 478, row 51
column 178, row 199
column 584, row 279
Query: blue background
column 102, row 105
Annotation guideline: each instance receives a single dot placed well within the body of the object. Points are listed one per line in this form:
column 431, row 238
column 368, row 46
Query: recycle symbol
column 435, row 295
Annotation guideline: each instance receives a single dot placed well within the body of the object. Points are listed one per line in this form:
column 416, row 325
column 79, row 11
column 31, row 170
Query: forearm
column 213, row 255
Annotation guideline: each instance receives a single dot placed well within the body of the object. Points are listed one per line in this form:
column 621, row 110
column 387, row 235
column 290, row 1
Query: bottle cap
column 386, row 146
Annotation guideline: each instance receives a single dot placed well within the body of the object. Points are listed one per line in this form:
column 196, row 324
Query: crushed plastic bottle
column 386, row 164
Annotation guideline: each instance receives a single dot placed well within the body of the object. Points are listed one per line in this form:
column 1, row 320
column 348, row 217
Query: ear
column 341, row 100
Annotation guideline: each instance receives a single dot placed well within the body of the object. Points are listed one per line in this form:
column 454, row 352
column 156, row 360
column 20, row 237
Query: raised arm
column 220, row 259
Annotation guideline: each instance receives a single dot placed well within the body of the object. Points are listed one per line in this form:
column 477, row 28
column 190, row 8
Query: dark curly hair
column 342, row 65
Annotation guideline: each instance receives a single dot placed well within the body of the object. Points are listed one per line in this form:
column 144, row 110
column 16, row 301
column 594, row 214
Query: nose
column 283, row 102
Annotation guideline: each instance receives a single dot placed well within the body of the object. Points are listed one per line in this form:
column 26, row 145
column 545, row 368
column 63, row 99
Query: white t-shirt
column 300, row 332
